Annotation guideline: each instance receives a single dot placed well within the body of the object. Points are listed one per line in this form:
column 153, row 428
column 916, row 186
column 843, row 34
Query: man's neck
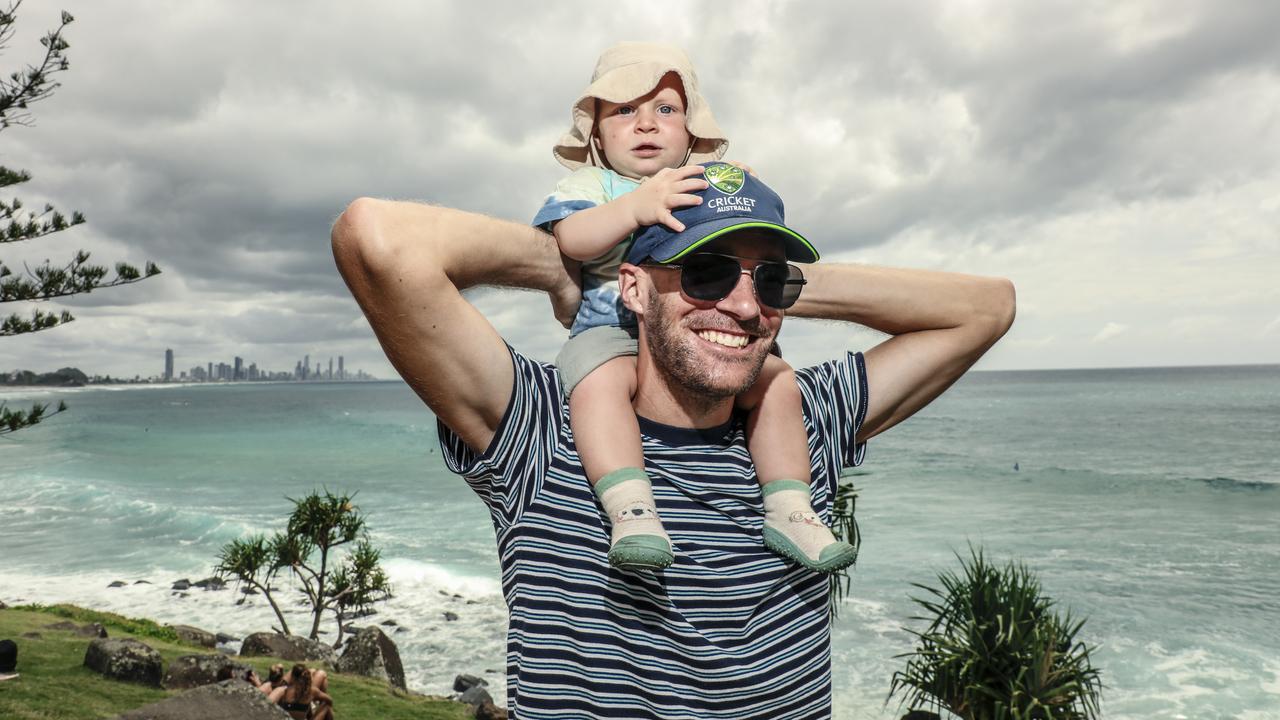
column 661, row 399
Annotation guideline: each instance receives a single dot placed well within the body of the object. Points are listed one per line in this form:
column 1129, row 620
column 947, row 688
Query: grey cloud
column 222, row 139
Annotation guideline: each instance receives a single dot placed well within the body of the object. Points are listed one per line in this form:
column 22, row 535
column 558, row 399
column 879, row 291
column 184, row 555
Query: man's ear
column 630, row 279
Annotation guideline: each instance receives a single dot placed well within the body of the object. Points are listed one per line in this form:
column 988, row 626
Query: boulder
column 87, row 630
column 124, row 659
column 183, row 584
column 116, row 584
column 211, row 583
column 195, row 636
column 489, row 711
column 450, row 616
column 464, row 682
column 227, row 700
column 225, row 638
column 191, row 671
column 476, row 695
column 372, row 654
column 287, row 647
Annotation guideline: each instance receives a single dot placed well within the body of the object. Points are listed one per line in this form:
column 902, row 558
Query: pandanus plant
column 994, row 648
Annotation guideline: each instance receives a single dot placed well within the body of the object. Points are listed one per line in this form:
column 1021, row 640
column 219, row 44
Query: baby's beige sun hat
column 630, row 70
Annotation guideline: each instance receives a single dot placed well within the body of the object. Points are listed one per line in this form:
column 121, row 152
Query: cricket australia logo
column 726, row 178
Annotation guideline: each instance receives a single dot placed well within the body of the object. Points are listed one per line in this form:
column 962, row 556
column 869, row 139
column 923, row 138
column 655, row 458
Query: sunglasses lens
column 771, row 283
column 709, row 277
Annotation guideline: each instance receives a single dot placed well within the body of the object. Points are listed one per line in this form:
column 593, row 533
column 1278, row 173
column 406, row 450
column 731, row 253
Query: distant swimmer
column 1015, row 467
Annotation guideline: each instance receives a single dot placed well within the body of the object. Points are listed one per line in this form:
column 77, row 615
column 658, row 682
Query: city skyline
column 238, row 371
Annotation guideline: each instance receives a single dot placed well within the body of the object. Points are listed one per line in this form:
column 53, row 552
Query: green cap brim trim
column 744, row 226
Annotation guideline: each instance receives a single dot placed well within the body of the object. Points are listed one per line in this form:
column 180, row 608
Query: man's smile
column 724, row 339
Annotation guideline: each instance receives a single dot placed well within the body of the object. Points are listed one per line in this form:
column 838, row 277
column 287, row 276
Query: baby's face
column 647, row 134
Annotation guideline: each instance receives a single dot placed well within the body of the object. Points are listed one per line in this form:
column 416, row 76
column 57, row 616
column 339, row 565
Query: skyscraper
column 330, row 376
column 168, row 365
column 342, row 374
column 239, row 372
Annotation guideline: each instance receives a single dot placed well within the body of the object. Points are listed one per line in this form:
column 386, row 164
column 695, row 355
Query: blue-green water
column 1147, row 500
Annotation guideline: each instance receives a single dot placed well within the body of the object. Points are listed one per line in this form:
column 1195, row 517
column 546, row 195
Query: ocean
column 1146, row 500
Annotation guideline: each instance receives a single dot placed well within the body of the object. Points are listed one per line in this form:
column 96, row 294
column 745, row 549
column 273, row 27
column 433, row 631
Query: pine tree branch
column 40, row 320
column 33, row 84
column 15, row 420
column 48, row 281
column 35, row 225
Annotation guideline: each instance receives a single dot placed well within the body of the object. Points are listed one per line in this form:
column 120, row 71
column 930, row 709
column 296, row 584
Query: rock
column 451, row 616
column 389, row 623
column 227, row 700
column 117, row 583
column 476, row 695
column 287, row 647
column 921, row 715
column 124, row 659
column 190, row 671
column 211, row 583
column 489, row 711
column 195, row 636
column 225, row 638
column 183, row 584
column 141, row 582
column 462, row 683
column 88, row 630
column 372, row 654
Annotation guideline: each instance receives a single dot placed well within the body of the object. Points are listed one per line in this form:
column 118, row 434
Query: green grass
column 54, row 683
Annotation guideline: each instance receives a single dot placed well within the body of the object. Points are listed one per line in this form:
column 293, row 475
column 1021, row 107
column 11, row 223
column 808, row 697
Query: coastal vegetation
column 845, row 527
column 319, row 525
column 994, row 648
column 18, row 91
column 54, row 683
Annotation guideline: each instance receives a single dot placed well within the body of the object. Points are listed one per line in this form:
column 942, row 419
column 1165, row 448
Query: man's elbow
column 354, row 236
column 368, row 237
column 1001, row 306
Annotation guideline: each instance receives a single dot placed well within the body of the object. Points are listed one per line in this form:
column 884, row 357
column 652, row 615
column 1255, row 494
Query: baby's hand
column 744, row 166
column 657, row 196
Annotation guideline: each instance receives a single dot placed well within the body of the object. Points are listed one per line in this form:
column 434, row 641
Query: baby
column 636, row 129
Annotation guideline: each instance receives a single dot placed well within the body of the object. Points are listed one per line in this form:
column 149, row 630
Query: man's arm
column 406, row 264
column 941, row 324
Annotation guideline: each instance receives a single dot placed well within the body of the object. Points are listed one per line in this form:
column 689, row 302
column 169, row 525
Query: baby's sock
column 637, row 540
column 792, row 529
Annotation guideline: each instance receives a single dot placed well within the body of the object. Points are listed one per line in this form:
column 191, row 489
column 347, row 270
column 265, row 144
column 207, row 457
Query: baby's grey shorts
column 590, row 349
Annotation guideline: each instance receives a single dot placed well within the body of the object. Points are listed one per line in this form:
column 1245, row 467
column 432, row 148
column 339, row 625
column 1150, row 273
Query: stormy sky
column 1119, row 161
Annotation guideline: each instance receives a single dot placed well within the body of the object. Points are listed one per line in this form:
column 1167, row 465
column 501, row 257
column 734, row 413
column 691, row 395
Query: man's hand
column 567, row 296
column 657, row 196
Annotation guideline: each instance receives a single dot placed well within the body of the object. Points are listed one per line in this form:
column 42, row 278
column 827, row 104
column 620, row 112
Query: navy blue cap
column 734, row 200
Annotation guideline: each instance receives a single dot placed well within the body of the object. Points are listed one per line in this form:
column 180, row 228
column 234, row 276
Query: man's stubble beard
column 675, row 358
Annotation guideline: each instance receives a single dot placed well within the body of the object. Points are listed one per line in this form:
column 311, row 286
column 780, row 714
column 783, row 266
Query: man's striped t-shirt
column 729, row 631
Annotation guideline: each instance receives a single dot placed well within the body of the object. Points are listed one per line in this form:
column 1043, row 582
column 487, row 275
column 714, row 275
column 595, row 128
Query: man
column 730, row 630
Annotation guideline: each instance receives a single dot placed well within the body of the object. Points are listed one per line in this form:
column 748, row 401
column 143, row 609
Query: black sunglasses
column 711, row 277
